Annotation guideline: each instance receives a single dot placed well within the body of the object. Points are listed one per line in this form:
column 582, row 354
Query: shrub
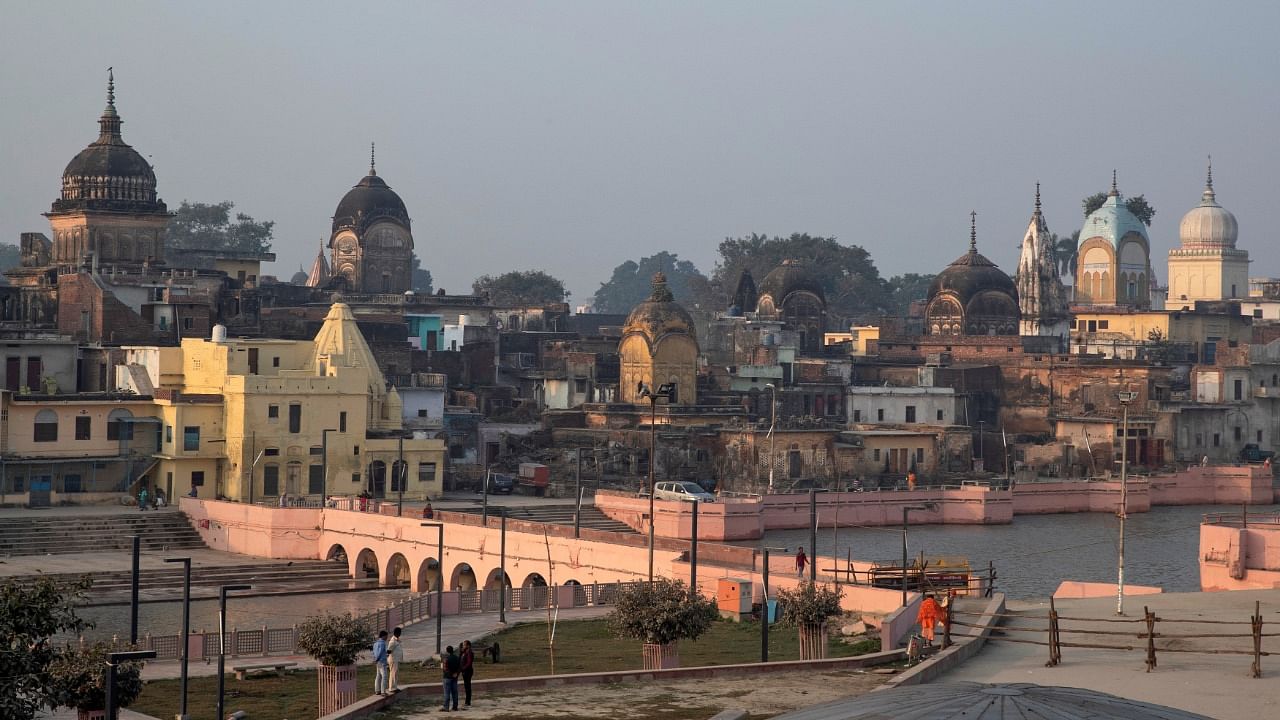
column 334, row 640
column 810, row 604
column 79, row 680
column 661, row 612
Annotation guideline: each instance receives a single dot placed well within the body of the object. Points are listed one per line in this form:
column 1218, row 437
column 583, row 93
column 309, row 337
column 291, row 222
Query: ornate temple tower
column 371, row 244
column 108, row 211
column 1042, row 299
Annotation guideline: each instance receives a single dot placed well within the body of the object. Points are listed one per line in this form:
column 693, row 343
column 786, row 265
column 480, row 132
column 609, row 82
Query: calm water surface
column 1036, row 552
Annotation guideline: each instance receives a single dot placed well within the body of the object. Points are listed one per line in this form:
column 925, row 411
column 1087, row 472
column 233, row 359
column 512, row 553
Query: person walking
column 451, row 666
column 468, row 662
column 801, row 561
column 395, row 656
column 380, row 663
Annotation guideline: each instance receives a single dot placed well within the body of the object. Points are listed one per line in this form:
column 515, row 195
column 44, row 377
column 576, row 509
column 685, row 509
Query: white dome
column 1209, row 225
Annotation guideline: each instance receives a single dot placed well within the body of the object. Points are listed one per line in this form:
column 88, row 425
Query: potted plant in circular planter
column 335, row 641
column 78, row 676
column 808, row 607
column 659, row 614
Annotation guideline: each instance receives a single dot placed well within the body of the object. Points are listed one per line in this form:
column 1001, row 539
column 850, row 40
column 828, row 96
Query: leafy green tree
column 420, row 277
column 32, row 613
column 1137, row 205
column 199, row 226
column 10, row 256
column 521, row 287
column 631, row 282
column 906, row 289
column 849, row 278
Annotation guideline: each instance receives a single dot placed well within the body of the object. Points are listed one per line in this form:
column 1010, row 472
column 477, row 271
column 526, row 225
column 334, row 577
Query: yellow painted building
column 250, row 420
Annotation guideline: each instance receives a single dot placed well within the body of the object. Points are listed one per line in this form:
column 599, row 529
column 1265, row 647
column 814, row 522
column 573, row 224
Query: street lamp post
column 1125, row 398
column 186, row 631
column 906, row 509
column 773, row 419
column 764, row 610
column 668, row 391
column 222, row 642
column 114, row 659
column 440, row 582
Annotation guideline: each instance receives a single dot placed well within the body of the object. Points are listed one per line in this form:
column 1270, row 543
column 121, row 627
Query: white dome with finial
column 1208, row 226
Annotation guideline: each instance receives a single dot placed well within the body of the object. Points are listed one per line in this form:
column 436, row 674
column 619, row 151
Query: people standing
column 468, row 669
column 395, row 656
column 929, row 616
column 451, row 666
column 801, row 561
column 380, row 663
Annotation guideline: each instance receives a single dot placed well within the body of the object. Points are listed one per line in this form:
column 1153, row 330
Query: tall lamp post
column 185, row 647
column 222, row 642
column 668, row 391
column 905, row 510
column 440, row 582
column 773, row 420
column 114, row 659
column 1125, row 398
column 764, row 611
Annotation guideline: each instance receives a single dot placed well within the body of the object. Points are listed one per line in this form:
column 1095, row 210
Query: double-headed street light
column 668, row 391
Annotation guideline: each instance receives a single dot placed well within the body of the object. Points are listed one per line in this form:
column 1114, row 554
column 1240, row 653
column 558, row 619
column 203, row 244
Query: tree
column 1065, row 251
column 521, row 287
column 80, row 681
column 198, row 226
column 31, row 614
column 906, row 289
column 846, row 273
column 630, row 283
column 10, row 256
column 420, row 277
column 1137, row 205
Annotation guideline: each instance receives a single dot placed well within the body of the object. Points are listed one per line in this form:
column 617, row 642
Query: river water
column 1036, row 552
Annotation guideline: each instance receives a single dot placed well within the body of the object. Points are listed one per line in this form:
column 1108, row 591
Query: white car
column 681, row 491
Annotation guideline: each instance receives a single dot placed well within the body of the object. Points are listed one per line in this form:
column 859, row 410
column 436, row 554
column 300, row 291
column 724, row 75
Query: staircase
column 555, row 515
column 161, row 530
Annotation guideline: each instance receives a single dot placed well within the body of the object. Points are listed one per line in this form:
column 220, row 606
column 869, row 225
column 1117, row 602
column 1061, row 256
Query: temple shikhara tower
column 1042, row 299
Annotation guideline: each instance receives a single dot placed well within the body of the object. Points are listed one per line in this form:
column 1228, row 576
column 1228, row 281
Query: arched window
column 118, row 425
column 46, row 427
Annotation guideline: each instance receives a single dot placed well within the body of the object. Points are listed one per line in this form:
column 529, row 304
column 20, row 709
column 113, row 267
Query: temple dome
column 660, row 314
column 369, row 200
column 1209, row 225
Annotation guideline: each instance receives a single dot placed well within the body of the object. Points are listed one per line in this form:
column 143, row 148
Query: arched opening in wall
column 337, row 553
column 367, row 565
column 464, row 578
column 429, row 575
column 397, row 571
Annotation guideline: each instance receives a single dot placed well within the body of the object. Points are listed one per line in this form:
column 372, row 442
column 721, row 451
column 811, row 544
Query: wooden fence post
column 1151, row 637
column 1256, row 622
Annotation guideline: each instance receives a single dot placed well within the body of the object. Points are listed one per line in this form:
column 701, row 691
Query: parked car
column 681, row 491
column 500, row 484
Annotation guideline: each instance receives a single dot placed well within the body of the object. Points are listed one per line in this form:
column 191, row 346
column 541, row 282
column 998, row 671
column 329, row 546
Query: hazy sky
column 571, row 136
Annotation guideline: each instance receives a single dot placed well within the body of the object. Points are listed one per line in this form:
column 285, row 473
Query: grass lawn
column 581, row 646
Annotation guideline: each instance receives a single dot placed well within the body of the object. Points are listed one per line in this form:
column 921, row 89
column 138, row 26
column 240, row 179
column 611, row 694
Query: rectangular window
column 270, row 479
column 83, row 425
column 295, row 418
column 880, row 415
column 191, row 437
column 273, row 413
column 911, row 413
column 197, row 478
column 426, row 472
column 315, row 479
column 342, row 421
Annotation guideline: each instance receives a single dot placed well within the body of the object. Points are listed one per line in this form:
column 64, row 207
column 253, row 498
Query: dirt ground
column 761, row 695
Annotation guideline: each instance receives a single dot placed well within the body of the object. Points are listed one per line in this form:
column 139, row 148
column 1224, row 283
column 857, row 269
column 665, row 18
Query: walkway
column 1218, row 686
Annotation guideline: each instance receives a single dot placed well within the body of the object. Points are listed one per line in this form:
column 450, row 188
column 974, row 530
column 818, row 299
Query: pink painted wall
column 1072, row 589
column 1235, row 558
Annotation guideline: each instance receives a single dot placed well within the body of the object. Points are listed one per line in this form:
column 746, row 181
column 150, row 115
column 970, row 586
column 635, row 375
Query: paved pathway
column 1217, row 686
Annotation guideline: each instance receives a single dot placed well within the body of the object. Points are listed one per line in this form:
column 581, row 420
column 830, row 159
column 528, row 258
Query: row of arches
column 397, row 570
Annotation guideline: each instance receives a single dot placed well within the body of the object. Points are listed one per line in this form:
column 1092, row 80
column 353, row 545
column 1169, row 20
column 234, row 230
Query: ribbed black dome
column 371, row 199
column 787, row 278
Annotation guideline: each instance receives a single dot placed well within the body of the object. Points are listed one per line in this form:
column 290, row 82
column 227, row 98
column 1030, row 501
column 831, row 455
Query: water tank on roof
column 219, row 333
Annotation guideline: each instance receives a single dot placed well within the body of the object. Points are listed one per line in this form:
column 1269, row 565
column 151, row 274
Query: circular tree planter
column 661, row 656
